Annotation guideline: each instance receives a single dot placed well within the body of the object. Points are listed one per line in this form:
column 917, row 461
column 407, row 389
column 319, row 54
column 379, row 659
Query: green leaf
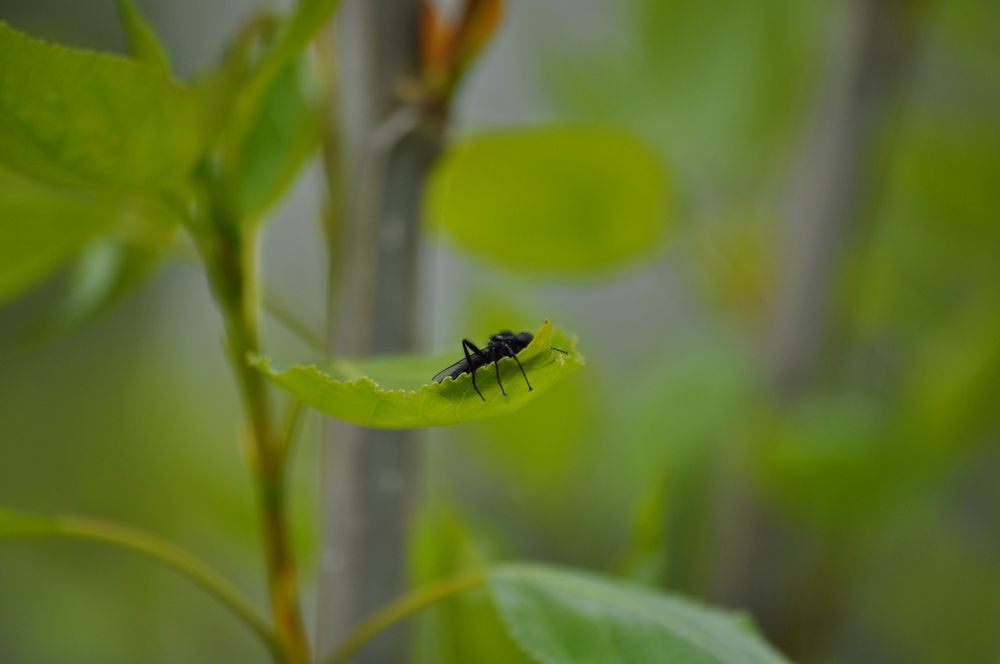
column 397, row 392
column 42, row 227
column 105, row 273
column 559, row 616
column 285, row 132
column 76, row 117
column 464, row 628
column 306, row 20
column 142, row 40
column 294, row 35
column 562, row 200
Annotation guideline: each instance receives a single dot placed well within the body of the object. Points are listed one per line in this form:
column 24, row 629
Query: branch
column 159, row 550
column 403, row 607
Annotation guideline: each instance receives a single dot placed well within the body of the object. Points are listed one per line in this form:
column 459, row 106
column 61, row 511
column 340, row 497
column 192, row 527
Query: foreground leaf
column 567, row 617
column 554, row 200
column 76, row 117
column 397, row 392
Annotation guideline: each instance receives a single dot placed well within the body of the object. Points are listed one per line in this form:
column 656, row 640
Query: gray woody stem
column 369, row 476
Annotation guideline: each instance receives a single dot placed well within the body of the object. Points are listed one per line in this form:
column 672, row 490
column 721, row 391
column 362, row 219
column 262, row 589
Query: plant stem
column 233, row 265
column 401, row 608
column 168, row 554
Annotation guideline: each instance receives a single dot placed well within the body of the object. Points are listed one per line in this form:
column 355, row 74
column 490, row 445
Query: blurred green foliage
column 866, row 470
column 558, row 200
column 883, row 474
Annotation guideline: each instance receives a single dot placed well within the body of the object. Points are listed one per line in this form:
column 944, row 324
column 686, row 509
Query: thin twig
column 169, row 555
column 401, row 608
column 282, row 313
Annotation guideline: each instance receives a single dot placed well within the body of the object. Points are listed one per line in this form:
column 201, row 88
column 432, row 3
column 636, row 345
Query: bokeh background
column 792, row 403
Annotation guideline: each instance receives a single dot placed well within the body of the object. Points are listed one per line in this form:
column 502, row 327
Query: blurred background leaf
column 42, row 226
column 882, row 475
column 557, row 200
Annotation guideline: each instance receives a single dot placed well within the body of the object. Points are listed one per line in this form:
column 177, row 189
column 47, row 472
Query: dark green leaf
column 554, row 200
column 567, row 617
column 294, row 35
column 286, row 131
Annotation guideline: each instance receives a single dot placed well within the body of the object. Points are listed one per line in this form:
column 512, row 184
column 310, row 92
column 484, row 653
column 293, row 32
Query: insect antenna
column 558, row 350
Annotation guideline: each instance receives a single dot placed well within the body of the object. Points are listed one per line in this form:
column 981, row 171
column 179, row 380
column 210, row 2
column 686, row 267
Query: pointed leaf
column 142, row 40
column 567, row 617
column 397, row 392
column 294, row 36
column 285, row 132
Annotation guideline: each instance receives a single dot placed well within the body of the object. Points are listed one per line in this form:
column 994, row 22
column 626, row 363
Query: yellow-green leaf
column 398, row 393
column 562, row 200
column 82, row 118
column 42, row 227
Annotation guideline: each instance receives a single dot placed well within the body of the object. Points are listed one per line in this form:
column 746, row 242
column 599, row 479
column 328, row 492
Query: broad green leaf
column 42, row 227
column 562, row 200
column 567, row 617
column 397, row 392
column 77, row 117
column 142, row 40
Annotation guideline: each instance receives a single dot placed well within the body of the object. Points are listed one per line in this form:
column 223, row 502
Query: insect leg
column 497, row 365
column 466, row 347
column 511, row 352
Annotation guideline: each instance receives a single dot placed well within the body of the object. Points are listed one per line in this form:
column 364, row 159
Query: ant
column 502, row 344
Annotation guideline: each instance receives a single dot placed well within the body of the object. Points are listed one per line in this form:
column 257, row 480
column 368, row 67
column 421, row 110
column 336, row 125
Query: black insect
column 501, row 345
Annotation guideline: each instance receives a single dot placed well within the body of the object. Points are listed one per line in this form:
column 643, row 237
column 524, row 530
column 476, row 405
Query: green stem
column 284, row 315
column 169, row 555
column 402, row 607
column 233, row 267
